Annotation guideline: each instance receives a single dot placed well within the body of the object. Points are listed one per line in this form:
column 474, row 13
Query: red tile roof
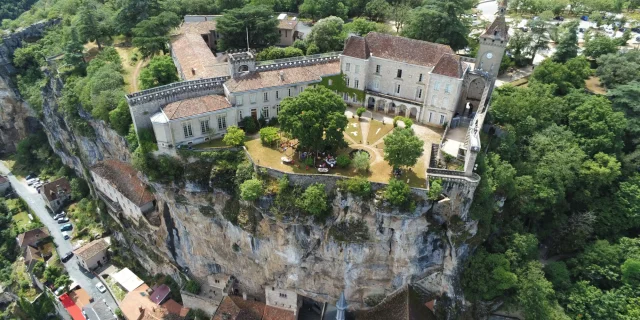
column 195, row 106
column 125, row 179
column 356, row 47
column 92, row 248
column 235, row 308
column 272, row 313
column 195, row 59
column 50, row 190
column 396, row 48
column 287, row 24
column 450, row 65
column 281, row 77
column 405, row 304
column 173, row 307
column 198, row 27
column 159, row 293
column 71, row 307
column 498, row 30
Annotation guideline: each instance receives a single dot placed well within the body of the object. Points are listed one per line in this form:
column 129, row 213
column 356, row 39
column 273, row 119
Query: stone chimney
column 244, row 296
column 281, row 75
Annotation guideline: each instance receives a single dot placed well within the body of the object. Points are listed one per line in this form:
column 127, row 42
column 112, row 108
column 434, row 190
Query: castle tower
column 493, row 43
column 342, row 307
column 241, row 63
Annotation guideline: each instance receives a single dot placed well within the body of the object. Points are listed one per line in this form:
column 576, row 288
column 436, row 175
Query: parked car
column 524, row 29
column 30, row 176
column 581, row 30
column 622, row 29
column 636, row 29
column 66, row 235
column 31, row 181
column 559, row 18
column 63, row 220
column 101, row 287
column 66, row 227
column 59, row 291
column 584, row 18
column 67, row 256
column 58, row 216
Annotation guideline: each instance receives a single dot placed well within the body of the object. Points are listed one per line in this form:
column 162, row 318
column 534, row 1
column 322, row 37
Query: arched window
column 243, row 68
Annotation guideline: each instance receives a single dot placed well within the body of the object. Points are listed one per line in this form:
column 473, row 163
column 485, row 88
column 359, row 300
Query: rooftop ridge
column 162, row 92
column 283, row 63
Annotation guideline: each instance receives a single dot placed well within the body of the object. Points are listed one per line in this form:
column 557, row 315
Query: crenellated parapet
column 286, row 63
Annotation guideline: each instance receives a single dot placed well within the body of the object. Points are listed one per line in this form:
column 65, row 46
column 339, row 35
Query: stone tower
column 341, row 305
column 242, row 62
column 493, row 43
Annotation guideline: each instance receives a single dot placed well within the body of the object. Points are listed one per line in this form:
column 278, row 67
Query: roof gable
column 405, row 304
column 449, row 65
column 195, row 106
column 50, row 190
column 32, row 237
column 91, row 249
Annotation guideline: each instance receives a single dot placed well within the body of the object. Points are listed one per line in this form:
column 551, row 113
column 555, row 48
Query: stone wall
column 11, row 42
column 192, row 301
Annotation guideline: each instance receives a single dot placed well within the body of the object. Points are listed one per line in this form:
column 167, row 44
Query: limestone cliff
column 425, row 247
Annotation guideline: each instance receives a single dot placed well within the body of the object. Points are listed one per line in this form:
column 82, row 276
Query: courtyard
column 362, row 134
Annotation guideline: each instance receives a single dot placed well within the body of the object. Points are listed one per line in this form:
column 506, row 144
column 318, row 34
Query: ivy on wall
column 339, row 84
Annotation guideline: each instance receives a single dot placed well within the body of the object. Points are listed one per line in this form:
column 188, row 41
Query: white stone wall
column 176, row 127
column 442, row 98
column 283, row 299
column 246, row 101
column 129, row 209
column 286, row 37
column 93, row 261
column 386, row 81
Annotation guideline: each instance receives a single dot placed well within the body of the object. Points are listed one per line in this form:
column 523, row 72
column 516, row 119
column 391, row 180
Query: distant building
column 159, row 293
column 136, row 305
column 99, row 310
column 93, row 254
column 118, row 184
column 56, row 193
column 287, row 28
column 281, row 304
column 128, row 280
column 32, row 238
column 4, row 185
column 239, row 308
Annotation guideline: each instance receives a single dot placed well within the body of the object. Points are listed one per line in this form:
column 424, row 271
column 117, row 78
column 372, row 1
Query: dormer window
column 495, row 33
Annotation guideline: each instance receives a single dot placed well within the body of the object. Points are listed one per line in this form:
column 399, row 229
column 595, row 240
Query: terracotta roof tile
column 405, row 304
column 195, row 106
column 402, row 49
column 50, row 189
column 285, row 24
column 198, row 27
column 356, row 47
column 125, row 179
column 195, row 59
column 266, row 79
column 173, row 307
column 89, row 250
column 32, row 237
column 450, row 66
column 32, row 253
column 271, row 313
column 235, row 308
column 137, row 305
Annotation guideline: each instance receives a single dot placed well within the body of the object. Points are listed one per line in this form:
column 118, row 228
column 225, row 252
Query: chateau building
column 424, row 81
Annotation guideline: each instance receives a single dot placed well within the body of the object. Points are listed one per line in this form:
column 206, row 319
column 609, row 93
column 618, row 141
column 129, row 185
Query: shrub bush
column 360, row 111
column 343, row 161
column 358, row 186
column 251, row 190
column 234, row 137
column 314, row 200
column 249, row 125
column 397, row 192
column 435, row 189
column 269, row 135
column 192, row 287
column 361, row 161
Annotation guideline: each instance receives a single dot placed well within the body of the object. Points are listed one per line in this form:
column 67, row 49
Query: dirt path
column 136, row 73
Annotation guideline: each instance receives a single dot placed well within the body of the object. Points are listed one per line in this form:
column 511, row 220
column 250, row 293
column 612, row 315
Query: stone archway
column 381, row 105
column 413, row 113
column 243, row 68
column 392, row 108
column 371, row 102
column 402, row 110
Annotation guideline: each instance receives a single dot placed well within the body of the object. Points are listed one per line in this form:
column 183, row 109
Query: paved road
column 86, row 280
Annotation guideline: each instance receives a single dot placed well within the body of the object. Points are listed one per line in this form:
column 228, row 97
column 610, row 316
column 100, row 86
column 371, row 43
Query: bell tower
column 493, row 43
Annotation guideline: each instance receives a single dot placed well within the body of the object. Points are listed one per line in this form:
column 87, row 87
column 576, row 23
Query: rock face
column 424, row 247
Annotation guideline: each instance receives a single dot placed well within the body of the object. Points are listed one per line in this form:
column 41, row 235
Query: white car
column 101, row 287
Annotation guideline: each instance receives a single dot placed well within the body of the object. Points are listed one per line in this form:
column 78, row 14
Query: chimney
column 281, row 75
column 244, row 296
column 193, row 71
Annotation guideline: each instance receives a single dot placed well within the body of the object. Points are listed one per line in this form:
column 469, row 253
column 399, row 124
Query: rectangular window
column 204, row 126
column 266, row 96
column 289, row 92
column 447, row 88
column 252, row 98
column 222, row 122
column 354, row 98
column 357, row 69
column 330, row 82
column 356, row 84
column 378, row 69
column 419, row 93
column 399, row 74
column 348, row 82
column 397, row 88
column 188, row 132
column 436, row 86
column 348, row 67
column 277, row 94
column 420, row 78
column 239, row 100
column 265, row 112
column 442, row 119
column 430, row 116
column 445, row 102
column 300, row 89
column 376, row 84
column 240, row 114
column 277, row 109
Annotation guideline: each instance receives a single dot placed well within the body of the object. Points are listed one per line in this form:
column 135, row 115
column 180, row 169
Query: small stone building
column 282, row 303
column 93, row 254
column 56, row 193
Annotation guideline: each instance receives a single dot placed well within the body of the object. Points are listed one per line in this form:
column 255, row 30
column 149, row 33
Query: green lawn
column 378, row 130
column 21, row 220
column 115, row 288
column 354, row 131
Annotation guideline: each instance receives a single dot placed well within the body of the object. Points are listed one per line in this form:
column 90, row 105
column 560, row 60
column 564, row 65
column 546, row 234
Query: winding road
column 86, row 280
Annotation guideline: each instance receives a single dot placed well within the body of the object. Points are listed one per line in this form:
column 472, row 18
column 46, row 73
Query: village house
column 118, row 185
column 56, row 193
column 281, row 303
column 139, row 304
column 32, row 238
column 93, row 254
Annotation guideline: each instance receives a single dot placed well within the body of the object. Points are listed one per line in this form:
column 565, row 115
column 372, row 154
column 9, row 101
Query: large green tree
column 402, row 148
column 619, row 68
column 487, row 276
column 597, row 127
column 259, row 22
column 317, row 9
column 316, row 118
column 437, row 23
column 94, row 22
column 160, row 71
column 567, row 47
column 152, row 35
column 133, row 12
column 599, row 45
column 328, row 34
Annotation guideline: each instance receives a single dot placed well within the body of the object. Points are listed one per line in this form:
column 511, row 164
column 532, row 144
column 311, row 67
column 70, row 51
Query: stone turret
column 341, row 305
column 241, row 63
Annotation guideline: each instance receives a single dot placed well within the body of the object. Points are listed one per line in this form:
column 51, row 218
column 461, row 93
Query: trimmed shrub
column 251, row 190
column 358, row 186
column 343, row 161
